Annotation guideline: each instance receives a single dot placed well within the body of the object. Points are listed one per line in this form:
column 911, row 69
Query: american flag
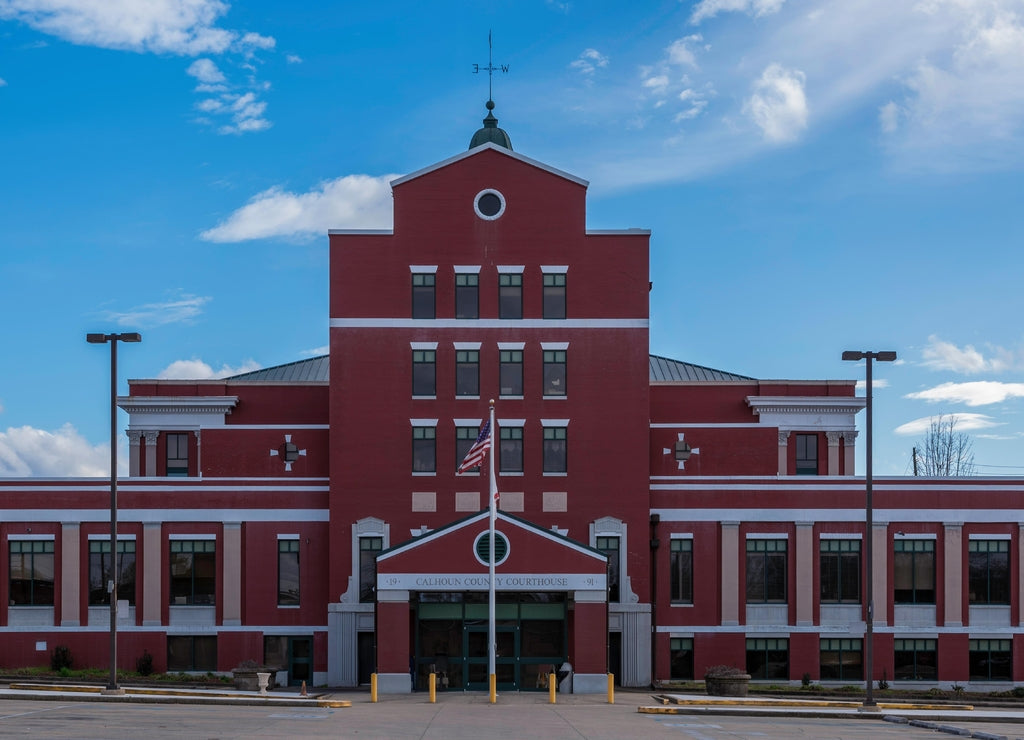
column 475, row 457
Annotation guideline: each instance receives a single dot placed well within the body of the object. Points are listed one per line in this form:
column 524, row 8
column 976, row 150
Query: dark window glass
column 840, row 571
column 681, row 658
column 424, row 372
column 807, row 454
column 99, row 571
column 464, row 439
column 915, row 660
column 682, row 571
column 467, row 296
column 554, row 296
column 193, row 572
column 766, row 571
column 31, row 570
column 842, row 659
column 914, row 571
column 610, row 547
column 423, row 295
column 511, row 380
column 988, row 565
column 768, row 658
column 489, row 204
column 368, row 549
column 990, row 660
column 510, row 296
column 191, row 653
column 287, row 572
column 424, row 458
column 177, row 455
column 511, row 452
column 554, row 372
column 467, row 372
column 555, row 450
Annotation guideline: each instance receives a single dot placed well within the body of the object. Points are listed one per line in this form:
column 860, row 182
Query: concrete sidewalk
column 170, row 695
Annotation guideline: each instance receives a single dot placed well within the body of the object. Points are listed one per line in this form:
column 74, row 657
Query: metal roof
column 666, row 370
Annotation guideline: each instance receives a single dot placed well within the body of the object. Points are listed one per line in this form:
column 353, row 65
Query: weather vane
column 490, row 69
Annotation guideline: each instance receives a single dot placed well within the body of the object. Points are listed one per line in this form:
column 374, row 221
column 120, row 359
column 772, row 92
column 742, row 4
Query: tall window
column 766, row 571
column 914, row 572
column 915, row 660
column 424, row 450
column 510, row 296
column 990, row 660
column 807, row 454
column 467, row 372
column 554, row 372
column 368, row 549
column 681, row 658
column 842, row 659
column 555, row 450
column 177, row 454
column 554, row 295
column 511, row 380
column 610, row 547
column 424, row 372
column 988, row 565
column 681, row 568
column 423, row 304
column 31, row 565
column 197, row 653
column 464, row 439
column 288, row 572
column 467, row 296
column 511, row 452
column 99, row 571
column 840, row 571
column 768, row 657
column 193, row 572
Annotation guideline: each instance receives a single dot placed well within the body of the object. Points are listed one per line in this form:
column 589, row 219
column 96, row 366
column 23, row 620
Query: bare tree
column 944, row 451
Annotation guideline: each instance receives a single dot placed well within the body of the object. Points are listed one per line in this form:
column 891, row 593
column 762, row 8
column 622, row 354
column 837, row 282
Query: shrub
column 883, row 684
column 144, row 664
column 806, row 680
column 61, row 658
column 723, row 671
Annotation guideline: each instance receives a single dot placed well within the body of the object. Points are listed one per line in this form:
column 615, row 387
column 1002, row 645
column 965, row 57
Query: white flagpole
column 491, row 608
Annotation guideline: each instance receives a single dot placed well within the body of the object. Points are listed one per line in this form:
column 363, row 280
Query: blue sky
column 818, row 176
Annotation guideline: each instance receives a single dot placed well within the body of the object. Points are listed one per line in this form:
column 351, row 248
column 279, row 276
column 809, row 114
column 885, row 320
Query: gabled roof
column 663, row 370
column 501, row 150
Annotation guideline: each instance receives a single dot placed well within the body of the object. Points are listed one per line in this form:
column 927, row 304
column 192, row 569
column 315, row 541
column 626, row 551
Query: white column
column 232, row 590
column 783, row 452
column 880, row 574
column 730, row 583
column 833, row 452
column 153, row 566
column 70, row 574
column 849, row 451
column 953, row 576
column 134, row 458
column 804, row 574
column 151, row 437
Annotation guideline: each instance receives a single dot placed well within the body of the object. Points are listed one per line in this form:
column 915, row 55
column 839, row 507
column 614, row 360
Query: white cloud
column 26, row 451
column 318, row 351
column 588, row 61
column 964, row 423
column 293, row 59
column 198, row 370
column 183, row 308
column 681, row 51
column 876, row 383
column 940, row 355
column 205, row 71
column 353, row 201
column 3, row 82
column 656, row 83
column 256, row 41
column 696, row 101
column 710, row 8
column 976, row 393
column 778, row 105
column 889, row 117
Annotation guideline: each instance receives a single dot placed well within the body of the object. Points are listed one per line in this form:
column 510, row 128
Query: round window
column 482, row 548
column 489, row 204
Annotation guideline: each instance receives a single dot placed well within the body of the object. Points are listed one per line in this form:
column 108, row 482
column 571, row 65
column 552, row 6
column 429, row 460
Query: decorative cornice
column 806, row 404
column 177, row 404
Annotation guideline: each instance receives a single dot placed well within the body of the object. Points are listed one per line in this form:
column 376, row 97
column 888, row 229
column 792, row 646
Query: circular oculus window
column 489, row 204
column 482, row 548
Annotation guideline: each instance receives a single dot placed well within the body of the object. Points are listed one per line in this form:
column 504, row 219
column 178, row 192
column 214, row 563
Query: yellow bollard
column 433, row 688
column 373, row 688
column 494, row 689
column 551, row 688
column 611, row 688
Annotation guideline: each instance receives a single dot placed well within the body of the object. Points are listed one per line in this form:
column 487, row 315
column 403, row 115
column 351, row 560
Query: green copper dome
column 490, row 132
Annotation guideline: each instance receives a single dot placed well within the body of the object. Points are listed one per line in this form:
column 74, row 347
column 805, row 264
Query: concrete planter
column 248, row 676
column 727, row 685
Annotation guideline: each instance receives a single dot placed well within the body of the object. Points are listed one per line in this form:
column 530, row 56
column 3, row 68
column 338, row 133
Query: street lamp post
column 112, row 584
column 869, row 634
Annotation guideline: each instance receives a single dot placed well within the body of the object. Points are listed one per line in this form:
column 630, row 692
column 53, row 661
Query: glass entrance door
column 506, row 662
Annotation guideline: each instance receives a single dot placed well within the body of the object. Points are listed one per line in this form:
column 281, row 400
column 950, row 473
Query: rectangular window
column 177, row 455
column 840, row 571
column 988, row 565
column 99, row 571
column 467, row 296
column 31, row 570
column 556, row 452
column 467, row 372
column 807, row 454
column 681, row 569
column 914, row 572
column 191, row 653
column 511, row 380
column 610, row 547
column 915, row 660
column 424, row 372
column 368, row 549
column 842, row 659
column 510, row 296
column 766, row 571
column 681, row 658
column 193, row 572
column 423, row 295
column 554, row 372
column 990, row 660
column 554, row 295
column 768, row 658
column 511, row 452
column 424, row 450
column 464, row 439
column 287, row 572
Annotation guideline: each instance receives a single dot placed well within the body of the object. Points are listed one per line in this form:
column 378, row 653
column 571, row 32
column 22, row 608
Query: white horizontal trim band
column 548, row 324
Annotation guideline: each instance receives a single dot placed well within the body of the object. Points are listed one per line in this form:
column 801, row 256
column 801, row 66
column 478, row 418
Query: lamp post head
column 104, row 338
column 96, row 338
column 854, row 355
